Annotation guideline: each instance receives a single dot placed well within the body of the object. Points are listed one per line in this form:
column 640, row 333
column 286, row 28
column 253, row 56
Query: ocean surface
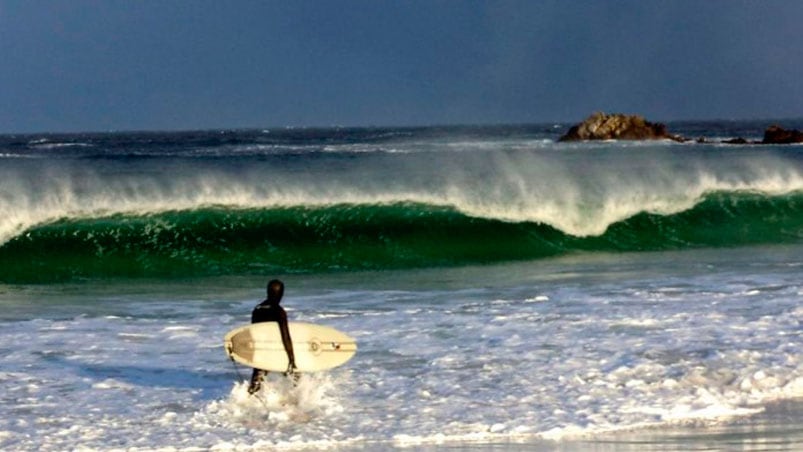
column 506, row 291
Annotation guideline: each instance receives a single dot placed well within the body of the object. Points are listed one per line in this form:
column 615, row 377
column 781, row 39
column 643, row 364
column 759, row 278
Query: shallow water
column 675, row 349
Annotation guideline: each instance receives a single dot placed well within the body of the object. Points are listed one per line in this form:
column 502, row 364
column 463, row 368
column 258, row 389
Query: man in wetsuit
column 270, row 311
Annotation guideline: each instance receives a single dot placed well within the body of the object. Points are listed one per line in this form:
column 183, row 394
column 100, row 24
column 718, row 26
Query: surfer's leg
column 256, row 380
column 295, row 376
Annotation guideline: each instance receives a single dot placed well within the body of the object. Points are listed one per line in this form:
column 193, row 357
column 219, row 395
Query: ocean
column 506, row 291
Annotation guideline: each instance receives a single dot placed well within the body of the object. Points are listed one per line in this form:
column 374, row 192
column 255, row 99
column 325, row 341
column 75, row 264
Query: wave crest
column 344, row 237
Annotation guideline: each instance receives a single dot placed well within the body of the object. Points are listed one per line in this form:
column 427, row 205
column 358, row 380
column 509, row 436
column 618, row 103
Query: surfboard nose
column 243, row 342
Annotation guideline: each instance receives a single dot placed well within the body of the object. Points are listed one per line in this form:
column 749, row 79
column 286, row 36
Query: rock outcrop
column 777, row 135
column 738, row 140
column 601, row 126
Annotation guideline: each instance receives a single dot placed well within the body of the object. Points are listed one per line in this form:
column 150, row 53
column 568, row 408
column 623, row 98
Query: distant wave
column 47, row 145
column 222, row 241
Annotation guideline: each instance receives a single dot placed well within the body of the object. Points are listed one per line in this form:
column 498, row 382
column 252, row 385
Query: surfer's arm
column 287, row 340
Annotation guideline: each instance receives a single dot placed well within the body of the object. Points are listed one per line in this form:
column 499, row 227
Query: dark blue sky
column 80, row 65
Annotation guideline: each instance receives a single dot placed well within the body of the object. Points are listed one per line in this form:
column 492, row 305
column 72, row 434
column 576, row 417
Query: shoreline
column 777, row 427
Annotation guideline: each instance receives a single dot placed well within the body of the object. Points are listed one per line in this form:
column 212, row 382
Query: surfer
column 270, row 311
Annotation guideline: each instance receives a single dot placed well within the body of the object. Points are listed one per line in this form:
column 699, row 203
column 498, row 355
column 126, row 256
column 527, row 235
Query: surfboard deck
column 316, row 347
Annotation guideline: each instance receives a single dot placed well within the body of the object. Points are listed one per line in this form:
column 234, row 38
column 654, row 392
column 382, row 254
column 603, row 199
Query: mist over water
column 578, row 191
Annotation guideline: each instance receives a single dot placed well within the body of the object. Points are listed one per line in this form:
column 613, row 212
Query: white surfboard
column 316, row 347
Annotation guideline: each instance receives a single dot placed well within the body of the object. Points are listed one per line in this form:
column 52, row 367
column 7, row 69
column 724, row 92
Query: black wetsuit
column 265, row 312
column 271, row 312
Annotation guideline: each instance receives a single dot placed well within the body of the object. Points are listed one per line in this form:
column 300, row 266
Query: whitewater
column 506, row 291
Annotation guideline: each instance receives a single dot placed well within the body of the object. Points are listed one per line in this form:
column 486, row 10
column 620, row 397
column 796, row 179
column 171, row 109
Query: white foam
column 598, row 352
column 49, row 146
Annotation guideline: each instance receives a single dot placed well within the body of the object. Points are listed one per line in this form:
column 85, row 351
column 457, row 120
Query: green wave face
column 219, row 241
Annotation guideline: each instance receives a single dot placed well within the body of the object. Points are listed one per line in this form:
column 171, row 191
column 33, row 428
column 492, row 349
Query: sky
column 103, row 65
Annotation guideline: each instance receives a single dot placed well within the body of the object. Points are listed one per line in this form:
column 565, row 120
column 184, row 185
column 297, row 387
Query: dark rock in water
column 738, row 140
column 777, row 135
column 601, row 126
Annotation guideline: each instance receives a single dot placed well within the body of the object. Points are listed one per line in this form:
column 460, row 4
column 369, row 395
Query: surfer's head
column 275, row 291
